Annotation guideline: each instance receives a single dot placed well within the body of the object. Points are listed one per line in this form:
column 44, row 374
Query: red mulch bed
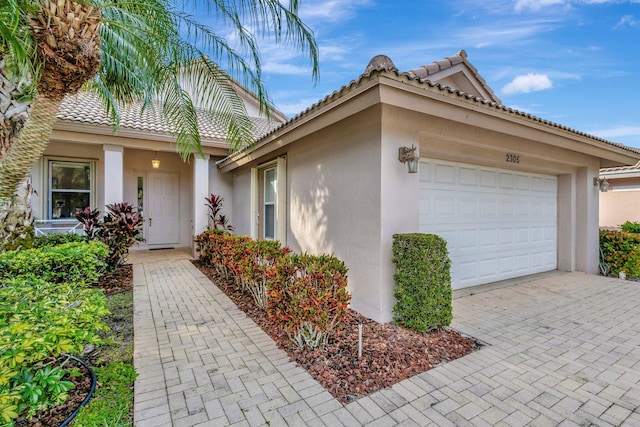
column 120, row 280
column 390, row 353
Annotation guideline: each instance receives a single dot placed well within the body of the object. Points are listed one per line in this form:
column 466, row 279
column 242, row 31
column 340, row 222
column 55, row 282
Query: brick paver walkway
column 562, row 350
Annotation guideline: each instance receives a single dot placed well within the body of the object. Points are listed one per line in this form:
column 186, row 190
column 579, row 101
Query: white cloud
column 627, row 20
column 313, row 12
column 536, row 5
column 296, row 107
column 528, row 83
column 617, row 132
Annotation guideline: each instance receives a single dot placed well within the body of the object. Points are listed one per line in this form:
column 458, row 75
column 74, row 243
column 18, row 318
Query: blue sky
column 574, row 62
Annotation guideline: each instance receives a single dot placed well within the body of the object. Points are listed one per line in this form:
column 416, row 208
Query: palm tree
column 131, row 50
column 15, row 101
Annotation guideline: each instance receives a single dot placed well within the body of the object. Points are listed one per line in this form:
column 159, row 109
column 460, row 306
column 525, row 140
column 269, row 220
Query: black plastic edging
column 94, row 380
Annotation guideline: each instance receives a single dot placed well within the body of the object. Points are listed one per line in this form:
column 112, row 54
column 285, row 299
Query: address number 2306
column 512, row 158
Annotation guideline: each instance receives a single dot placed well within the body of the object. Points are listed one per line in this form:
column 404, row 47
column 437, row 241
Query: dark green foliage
column 422, row 281
column 621, row 252
column 75, row 262
column 51, row 240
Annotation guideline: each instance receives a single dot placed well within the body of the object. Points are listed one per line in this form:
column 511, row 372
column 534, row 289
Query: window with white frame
column 269, row 200
column 270, row 194
column 70, row 188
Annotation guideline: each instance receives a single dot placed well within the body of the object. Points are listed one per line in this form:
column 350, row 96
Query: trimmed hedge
column 621, row 252
column 422, row 281
column 70, row 262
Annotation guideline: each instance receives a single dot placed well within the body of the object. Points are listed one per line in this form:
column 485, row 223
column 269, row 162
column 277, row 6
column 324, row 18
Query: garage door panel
column 498, row 224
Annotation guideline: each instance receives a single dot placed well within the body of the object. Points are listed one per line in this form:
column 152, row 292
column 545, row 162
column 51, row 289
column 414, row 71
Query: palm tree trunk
column 16, row 218
column 29, row 145
column 16, row 215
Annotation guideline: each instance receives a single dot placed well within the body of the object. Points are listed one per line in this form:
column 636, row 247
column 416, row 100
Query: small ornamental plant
column 309, row 295
column 120, row 229
column 305, row 293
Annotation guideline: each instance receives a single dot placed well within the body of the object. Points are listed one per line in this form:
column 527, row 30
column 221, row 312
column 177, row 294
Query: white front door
column 163, row 212
column 498, row 224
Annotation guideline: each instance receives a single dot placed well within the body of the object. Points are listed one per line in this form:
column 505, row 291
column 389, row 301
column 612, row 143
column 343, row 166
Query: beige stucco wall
column 334, row 203
column 617, row 207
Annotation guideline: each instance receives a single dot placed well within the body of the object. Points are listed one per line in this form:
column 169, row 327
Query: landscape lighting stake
column 359, row 339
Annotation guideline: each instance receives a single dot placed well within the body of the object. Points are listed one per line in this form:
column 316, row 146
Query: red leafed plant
column 310, row 296
column 307, row 294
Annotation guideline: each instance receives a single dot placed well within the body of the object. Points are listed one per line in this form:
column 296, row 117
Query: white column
column 113, row 175
column 200, row 191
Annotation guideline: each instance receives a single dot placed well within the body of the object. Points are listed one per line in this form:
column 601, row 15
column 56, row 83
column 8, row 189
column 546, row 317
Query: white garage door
column 498, row 224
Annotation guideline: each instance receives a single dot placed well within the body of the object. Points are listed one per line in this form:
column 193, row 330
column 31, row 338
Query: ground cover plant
column 52, row 304
column 306, row 314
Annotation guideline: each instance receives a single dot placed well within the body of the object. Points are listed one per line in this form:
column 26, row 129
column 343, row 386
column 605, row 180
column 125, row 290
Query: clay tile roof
column 620, row 169
column 412, row 77
column 437, row 66
column 460, row 57
column 86, row 107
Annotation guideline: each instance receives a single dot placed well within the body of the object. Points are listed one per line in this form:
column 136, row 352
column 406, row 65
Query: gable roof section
column 388, row 70
column 457, row 72
column 622, row 171
column 86, row 107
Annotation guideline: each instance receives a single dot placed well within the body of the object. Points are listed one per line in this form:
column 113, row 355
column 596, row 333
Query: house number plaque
column 512, row 158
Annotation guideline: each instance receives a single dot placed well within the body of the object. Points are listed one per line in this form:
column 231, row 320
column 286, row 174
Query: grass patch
column 112, row 402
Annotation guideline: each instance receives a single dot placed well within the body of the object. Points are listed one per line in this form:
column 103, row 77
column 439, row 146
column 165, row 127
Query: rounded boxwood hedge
column 422, row 281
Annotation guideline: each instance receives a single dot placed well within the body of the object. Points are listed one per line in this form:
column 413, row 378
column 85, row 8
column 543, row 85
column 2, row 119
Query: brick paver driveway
column 562, row 350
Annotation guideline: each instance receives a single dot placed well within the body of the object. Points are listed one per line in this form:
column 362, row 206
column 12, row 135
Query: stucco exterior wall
column 334, row 180
column 241, row 202
column 617, row 207
column 221, row 185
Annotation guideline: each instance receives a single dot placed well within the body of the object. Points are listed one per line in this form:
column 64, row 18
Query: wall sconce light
column 155, row 162
column 410, row 157
column 601, row 183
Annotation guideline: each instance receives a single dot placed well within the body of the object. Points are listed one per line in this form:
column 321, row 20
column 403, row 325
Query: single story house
column 511, row 193
column 621, row 202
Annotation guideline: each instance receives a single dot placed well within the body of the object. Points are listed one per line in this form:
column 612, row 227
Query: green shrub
column 631, row 227
column 309, row 295
column 39, row 321
column 422, row 281
column 79, row 262
column 55, row 239
column 621, row 252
